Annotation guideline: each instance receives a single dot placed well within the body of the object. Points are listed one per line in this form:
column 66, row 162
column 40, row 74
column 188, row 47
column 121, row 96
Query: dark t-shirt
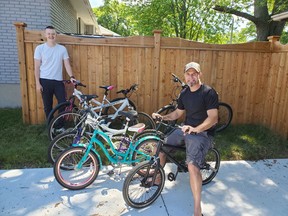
column 197, row 103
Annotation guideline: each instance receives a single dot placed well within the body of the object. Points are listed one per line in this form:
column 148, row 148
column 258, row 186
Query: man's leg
column 47, row 95
column 197, row 147
column 176, row 138
column 196, row 187
column 59, row 91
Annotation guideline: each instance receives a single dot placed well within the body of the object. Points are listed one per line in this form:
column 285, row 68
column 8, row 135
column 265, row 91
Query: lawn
column 25, row 146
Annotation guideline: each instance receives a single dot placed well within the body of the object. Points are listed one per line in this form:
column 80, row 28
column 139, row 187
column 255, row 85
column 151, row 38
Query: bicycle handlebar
column 134, row 87
column 76, row 83
column 176, row 79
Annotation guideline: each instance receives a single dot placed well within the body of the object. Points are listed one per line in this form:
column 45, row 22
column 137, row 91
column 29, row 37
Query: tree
column 261, row 16
column 189, row 19
column 116, row 17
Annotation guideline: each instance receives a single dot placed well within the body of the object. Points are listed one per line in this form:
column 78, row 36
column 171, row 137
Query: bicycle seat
column 137, row 128
column 88, row 97
column 107, row 87
column 131, row 114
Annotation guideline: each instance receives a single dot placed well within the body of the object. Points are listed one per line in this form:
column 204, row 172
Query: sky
column 96, row 3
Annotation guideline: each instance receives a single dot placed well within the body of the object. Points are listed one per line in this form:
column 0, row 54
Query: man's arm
column 171, row 116
column 37, row 64
column 210, row 121
column 69, row 69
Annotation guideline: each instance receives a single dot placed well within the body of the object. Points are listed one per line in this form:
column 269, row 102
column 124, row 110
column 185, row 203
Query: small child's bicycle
column 78, row 166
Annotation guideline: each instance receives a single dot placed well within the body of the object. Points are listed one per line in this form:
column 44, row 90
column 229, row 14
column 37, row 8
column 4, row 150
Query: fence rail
column 251, row 77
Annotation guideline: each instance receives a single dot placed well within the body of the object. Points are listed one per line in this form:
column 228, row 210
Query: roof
column 84, row 10
column 106, row 32
column 280, row 17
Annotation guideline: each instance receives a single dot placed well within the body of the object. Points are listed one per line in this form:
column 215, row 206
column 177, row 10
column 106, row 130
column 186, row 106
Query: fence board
column 251, row 77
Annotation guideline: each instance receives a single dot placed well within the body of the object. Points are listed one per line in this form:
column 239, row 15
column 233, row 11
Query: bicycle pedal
column 110, row 173
column 171, row 176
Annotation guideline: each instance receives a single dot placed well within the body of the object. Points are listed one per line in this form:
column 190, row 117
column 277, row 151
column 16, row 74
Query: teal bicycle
column 78, row 166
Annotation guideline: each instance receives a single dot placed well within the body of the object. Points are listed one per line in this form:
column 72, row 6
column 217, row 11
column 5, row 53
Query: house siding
column 63, row 10
column 37, row 14
column 27, row 11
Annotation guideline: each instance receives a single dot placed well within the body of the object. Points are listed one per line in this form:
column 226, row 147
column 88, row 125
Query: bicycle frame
column 105, row 103
column 118, row 157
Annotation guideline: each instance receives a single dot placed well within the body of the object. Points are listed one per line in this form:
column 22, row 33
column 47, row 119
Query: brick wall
column 33, row 12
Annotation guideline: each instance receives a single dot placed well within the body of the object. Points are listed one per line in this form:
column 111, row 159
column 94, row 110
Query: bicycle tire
column 138, row 191
column 225, row 115
column 69, row 176
column 211, row 166
column 146, row 119
column 61, row 107
column 149, row 147
column 62, row 142
column 65, row 121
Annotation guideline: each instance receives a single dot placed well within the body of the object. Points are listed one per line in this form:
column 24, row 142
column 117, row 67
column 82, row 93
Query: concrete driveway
column 240, row 188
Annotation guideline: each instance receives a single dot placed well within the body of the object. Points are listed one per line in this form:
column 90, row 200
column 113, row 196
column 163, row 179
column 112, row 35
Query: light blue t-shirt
column 51, row 60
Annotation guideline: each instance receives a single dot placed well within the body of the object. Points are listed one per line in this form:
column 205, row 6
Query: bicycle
column 70, row 105
column 225, row 112
column 69, row 119
column 78, row 166
column 80, row 134
column 139, row 188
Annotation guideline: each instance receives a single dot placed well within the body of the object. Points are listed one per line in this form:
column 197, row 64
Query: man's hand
column 72, row 79
column 157, row 116
column 39, row 87
column 187, row 129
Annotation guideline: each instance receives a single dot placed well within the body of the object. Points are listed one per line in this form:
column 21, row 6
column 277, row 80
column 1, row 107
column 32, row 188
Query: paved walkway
column 241, row 188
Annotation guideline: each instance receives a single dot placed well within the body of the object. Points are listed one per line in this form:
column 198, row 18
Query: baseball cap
column 193, row 65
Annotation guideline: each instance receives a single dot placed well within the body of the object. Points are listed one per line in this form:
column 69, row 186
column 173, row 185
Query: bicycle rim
column 68, row 174
column 211, row 166
column 147, row 120
column 65, row 122
column 62, row 142
column 225, row 115
column 138, row 189
column 148, row 147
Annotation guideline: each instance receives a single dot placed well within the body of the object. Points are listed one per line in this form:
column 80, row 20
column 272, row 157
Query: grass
column 25, row 146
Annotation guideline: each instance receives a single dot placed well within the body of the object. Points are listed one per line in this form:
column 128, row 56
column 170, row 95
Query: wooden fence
column 251, row 77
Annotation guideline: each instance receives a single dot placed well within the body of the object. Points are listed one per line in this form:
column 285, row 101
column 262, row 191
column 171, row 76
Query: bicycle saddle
column 131, row 114
column 107, row 87
column 88, row 97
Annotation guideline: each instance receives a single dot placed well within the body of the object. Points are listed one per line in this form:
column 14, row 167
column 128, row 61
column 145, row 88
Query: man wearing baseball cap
column 200, row 104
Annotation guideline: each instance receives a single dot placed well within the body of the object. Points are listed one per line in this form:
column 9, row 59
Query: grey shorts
column 197, row 145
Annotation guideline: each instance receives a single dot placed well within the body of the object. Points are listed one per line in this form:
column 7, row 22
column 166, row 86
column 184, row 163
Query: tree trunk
column 265, row 27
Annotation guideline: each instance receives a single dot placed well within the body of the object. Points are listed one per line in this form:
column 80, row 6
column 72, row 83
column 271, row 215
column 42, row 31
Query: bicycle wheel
column 64, row 141
column 164, row 111
column 69, row 175
column 65, row 121
column 211, row 166
column 146, row 119
column 148, row 147
column 64, row 106
column 225, row 114
column 138, row 188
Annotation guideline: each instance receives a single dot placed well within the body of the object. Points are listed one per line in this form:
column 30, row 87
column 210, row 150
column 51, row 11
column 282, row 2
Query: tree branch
column 235, row 12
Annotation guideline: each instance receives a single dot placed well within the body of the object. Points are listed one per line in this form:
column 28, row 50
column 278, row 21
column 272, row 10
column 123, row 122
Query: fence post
column 20, row 27
column 273, row 40
column 156, row 67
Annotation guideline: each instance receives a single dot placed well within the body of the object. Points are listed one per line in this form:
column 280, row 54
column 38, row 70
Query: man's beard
column 193, row 83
